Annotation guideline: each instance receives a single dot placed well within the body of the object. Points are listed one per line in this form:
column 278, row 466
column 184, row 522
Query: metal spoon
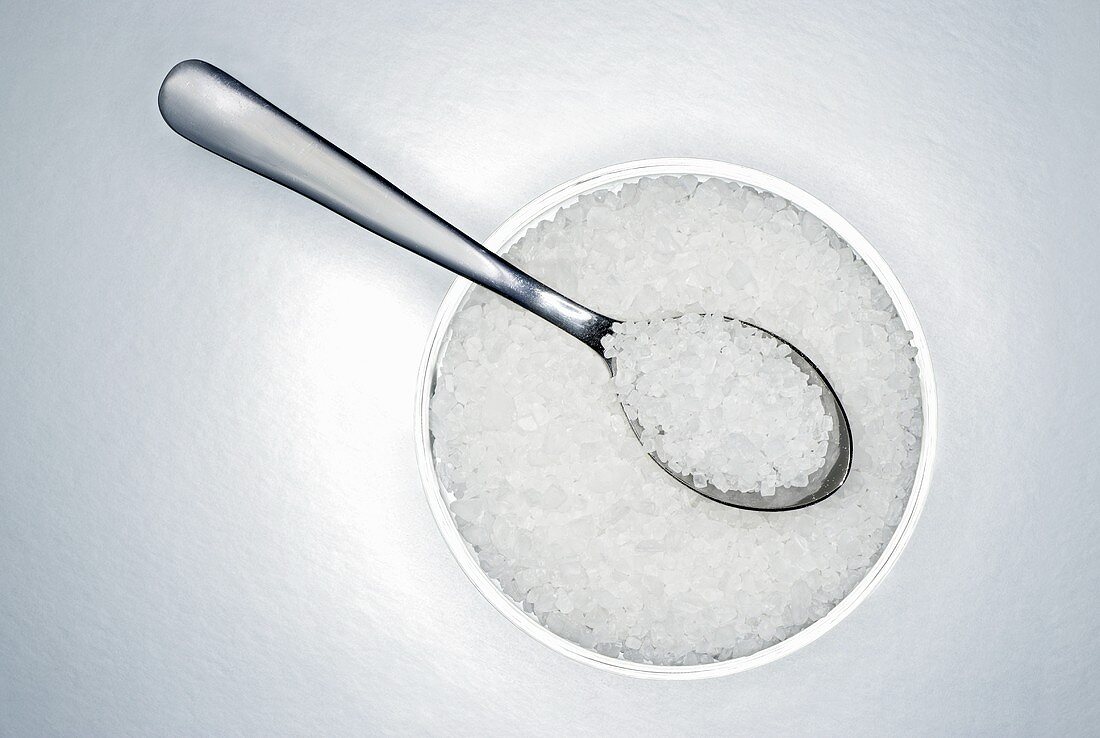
column 212, row 109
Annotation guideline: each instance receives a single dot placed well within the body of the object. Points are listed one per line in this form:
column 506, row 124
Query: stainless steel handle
column 212, row 109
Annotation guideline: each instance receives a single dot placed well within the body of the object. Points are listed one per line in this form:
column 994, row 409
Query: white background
column 210, row 515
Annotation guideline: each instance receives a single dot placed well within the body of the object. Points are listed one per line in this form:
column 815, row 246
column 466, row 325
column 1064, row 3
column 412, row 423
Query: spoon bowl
column 217, row 112
column 822, row 483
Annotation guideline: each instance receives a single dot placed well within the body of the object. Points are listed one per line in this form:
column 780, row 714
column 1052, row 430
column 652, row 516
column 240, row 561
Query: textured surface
column 210, row 517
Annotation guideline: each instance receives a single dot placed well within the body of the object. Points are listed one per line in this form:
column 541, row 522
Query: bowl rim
column 547, row 204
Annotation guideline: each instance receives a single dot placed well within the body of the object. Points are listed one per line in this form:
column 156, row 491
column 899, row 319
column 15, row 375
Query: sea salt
column 557, row 498
column 720, row 401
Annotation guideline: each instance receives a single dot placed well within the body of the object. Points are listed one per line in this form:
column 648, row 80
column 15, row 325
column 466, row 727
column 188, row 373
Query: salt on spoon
column 214, row 110
column 720, row 402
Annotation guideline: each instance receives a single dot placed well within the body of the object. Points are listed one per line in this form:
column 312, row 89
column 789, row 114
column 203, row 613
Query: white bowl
column 543, row 208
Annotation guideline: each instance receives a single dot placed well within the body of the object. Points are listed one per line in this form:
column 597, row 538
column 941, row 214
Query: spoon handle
column 212, row 109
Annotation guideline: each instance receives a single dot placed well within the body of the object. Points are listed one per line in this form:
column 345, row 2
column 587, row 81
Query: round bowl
column 543, row 208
